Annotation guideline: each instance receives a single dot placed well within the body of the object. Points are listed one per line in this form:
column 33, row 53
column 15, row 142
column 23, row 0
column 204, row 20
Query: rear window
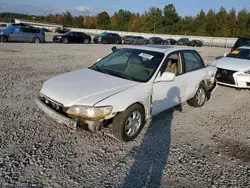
column 242, row 42
column 240, row 54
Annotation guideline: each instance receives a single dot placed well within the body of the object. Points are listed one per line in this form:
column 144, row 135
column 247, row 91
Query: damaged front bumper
column 67, row 121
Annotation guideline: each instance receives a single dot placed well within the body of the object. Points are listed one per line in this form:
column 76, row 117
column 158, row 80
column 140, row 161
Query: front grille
column 225, row 76
column 53, row 104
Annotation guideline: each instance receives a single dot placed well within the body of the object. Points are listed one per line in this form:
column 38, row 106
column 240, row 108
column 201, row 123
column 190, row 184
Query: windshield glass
column 133, row 64
column 68, row 33
column 240, row 53
column 103, row 34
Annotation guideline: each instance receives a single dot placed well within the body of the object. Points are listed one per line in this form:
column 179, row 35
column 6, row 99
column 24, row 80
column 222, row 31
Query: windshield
column 68, row 33
column 240, row 53
column 103, row 34
column 132, row 64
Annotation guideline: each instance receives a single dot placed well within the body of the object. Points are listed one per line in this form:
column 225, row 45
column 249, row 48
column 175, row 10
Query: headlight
column 90, row 112
column 59, row 37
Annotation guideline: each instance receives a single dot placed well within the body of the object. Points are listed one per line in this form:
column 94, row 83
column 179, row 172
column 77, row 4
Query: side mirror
column 166, row 77
column 114, row 48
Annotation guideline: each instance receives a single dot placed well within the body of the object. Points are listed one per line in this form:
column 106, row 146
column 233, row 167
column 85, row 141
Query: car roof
column 160, row 48
column 245, row 47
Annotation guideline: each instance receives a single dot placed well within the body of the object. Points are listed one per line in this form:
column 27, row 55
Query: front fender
column 121, row 101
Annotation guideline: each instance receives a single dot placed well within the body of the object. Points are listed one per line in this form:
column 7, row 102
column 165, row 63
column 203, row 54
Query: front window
column 132, row 64
column 68, row 33
column 240, row 53
column 103, row 34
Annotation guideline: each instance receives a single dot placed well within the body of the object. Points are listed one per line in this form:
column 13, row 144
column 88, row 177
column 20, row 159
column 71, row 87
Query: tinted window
column 242, row 42
column 134, row 64
column 192, row 61
column 240, row 54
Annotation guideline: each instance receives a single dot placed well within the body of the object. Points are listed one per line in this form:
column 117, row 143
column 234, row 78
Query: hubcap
column 200, row 96
column 133, row 123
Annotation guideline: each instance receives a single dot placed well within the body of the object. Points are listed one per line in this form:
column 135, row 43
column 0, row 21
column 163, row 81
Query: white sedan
column 127, row 87
column 234, row 68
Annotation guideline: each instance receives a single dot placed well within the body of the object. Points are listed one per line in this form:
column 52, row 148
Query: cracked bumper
column 68, row 122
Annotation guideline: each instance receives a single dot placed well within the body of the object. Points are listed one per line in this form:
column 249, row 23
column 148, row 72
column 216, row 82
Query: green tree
column 231, row 21
column 67, row 19
column 200, row 22
column 222, row 28
column 211, row 23
column 103, row 20
column 123, row 18
column 242, row 23
column 171, row 18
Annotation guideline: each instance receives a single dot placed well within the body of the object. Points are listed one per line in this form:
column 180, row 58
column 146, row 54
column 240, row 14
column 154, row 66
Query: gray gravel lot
column 183, row 147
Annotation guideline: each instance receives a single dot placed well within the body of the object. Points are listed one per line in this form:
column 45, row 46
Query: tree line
column 222, row 23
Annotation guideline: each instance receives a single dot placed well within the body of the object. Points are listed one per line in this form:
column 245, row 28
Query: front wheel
column 199, row 98
column 4, row 39
column 128, row 124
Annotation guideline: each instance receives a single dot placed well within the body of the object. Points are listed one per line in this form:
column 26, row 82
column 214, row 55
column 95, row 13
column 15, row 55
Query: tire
column 85, row 41
column 200, row 97
column 133, row 42
column 65, row 41
column 145, row 42
column 4, row 39
column 36, row 40
column 123, row 118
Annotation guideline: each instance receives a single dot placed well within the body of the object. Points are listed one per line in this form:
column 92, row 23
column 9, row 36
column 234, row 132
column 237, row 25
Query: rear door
column 195, row 71
column 28, row 34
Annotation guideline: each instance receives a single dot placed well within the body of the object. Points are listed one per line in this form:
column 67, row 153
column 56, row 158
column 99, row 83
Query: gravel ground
column 182, row 147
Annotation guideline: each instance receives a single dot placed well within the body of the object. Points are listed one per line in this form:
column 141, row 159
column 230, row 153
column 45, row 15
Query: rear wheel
column 85, row 41
column 200, row 97
column 36, row 40
column 4, row 38
column 65, row 41
column 128, row 124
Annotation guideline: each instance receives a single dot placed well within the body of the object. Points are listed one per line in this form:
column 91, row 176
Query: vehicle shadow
column 152, row 154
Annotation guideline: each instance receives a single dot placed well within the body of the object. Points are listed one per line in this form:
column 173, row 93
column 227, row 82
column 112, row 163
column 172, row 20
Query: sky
column 92, row 7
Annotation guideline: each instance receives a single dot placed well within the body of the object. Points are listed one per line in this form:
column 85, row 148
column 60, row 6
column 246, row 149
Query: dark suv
column 242, row 41
column 183, row 41
column 108, row 38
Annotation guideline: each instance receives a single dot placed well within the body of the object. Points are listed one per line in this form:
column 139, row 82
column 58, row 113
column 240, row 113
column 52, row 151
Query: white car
column 127, row 87
column 234, row 68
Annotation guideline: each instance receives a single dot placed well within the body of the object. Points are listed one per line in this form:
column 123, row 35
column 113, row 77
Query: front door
column 169, row 94
column 16, row 35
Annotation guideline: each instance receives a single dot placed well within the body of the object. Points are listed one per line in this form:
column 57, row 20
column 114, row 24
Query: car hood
column 233, row 64
column 84, row 87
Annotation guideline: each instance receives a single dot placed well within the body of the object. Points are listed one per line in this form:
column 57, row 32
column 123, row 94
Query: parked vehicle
column 61, row 30
column 135, row 40
column 242, row 41
column 126, row 36
column 108, row 38
column 157, row 40
column 19, row 33
column 197, row 43
column 171, row 41
column 183, row 41
column 234, row 68
column 72, row 37
column 127, row 87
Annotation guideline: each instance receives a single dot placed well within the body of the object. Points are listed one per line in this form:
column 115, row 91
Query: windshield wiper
column 119, row 74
